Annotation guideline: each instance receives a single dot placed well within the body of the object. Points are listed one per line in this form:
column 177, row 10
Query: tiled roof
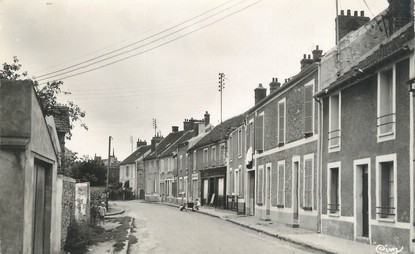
column 61, row 116
column 390, row 48
column 186, row 136
column 164, row 144
column 135, row 155
column 220, row 132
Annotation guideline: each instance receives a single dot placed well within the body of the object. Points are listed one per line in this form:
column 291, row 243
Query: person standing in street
column 102, row 212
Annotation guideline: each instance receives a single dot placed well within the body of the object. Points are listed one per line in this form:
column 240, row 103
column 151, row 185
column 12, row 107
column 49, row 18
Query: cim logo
column 384, row 249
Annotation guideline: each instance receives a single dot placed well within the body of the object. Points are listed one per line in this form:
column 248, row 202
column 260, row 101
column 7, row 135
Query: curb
column 280, row 237
column 115, row 213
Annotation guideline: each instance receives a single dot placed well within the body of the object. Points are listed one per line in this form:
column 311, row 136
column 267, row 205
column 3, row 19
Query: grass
column 118, row 234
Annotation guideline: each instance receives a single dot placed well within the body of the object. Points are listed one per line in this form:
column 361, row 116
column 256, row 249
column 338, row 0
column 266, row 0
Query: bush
column 78, row 238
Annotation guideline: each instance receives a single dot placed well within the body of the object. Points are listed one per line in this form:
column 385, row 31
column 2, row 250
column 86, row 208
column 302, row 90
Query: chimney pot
column 348, row 13
column 174, row 128
column 260, row 93
column 309, row 57
column 355, row 13
column 206, row 118
column 342, row 13
column 304, row 56
column 362, row 13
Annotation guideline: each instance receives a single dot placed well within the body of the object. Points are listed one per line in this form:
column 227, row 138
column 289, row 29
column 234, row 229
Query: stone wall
column 82, row 201
column 68, row 205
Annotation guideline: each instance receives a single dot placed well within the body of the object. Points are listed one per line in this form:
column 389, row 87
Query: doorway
column 296, row 166
column 268, row 193
column 362, row 200
column 251, row 191
column 43, row 206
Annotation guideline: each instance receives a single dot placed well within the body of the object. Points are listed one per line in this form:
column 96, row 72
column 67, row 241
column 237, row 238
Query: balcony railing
column 385, row 211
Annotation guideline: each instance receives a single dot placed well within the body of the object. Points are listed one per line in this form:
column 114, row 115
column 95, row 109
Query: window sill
column 335, row 215
column 387, row 220
column 386, row 137
column 280, row 206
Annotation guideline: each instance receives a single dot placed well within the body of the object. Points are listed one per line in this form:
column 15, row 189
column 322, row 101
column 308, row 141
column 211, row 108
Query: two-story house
column 151, row 171
column 282, row 135
column 209, row 154
column 367, row 131
column 132, row 169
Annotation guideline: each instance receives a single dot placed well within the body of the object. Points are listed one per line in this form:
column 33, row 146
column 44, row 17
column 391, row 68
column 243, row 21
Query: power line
column 46, row 76
column 155, row 47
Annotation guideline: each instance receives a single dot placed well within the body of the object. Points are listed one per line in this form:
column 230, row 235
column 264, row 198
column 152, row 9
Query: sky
column 128, row 62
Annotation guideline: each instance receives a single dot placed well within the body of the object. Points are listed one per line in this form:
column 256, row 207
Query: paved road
column 164, row 229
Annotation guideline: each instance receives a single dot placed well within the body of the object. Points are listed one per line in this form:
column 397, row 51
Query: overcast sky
column 171, row 70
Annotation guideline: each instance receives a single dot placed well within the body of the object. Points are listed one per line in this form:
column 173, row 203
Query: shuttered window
column 260, row 185
column 281, row 179
column 308, row 183
column 259, row 133
column 308, row 110
column 281, row 122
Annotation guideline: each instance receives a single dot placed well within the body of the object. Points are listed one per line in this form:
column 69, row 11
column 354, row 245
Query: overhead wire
column 48, row 75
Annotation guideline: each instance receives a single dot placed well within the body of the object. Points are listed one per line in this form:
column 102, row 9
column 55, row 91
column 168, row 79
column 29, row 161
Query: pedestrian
column 197, row 204
column 102, row 212
column 94, row 214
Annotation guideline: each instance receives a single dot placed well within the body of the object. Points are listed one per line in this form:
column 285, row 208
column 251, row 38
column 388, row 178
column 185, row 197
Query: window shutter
column 281, row 125
column 259, row 133
column 308, row 109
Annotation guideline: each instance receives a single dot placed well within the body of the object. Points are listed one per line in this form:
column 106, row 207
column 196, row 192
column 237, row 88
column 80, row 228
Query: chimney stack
column 317, row 53
column 274, row 85
column 207, row 118
column 141, row 143
column 399, row 14
column 174, row 128
column 155, row 140
column 348, row 23
column 306, row 61
column 260, row 93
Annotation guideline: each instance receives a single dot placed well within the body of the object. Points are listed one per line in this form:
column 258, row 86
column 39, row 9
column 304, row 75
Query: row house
column 281, row 149
column 132, row 169
column 210, row 162
column 151, row 170
column 367, row 130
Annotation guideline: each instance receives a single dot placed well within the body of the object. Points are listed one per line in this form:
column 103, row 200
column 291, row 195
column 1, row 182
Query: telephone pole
column 155, row 126
column 221, row 87
column 108, row 169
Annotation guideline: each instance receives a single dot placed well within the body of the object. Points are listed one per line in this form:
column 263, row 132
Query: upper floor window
column 127, row 169
column 334, row 122
column 187, row 161
column 222, row 153
column 259, row 133
column 308, row 109
column 213, row 150
column 249, row 135
column 386, row 187
column 181, row 162
column 230, row 147
column 194, row 160
column 162, row 165
column 281, row 122
column 205, row 155
column 386, row 117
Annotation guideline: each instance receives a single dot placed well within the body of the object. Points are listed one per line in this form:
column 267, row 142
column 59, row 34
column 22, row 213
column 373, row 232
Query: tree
column 88, row 170
column 46, row 93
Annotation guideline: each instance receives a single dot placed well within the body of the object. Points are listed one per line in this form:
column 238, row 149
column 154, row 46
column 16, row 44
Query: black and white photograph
column 207, row 126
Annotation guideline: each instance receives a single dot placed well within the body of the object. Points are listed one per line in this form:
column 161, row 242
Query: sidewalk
column 113, row 209
column 306, row 238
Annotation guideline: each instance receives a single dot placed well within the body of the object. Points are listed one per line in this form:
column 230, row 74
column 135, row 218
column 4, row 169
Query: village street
column 164, row 229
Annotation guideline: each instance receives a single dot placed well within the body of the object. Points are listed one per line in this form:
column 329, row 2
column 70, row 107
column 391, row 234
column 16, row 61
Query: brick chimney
column 306, row 61
column 155, row 140
column 207, row 118
column 274, row 85
column 399, row 14
column 348, row 23
column 317, row 53
column 141, row 143
column 260, row 93
column 174, row 128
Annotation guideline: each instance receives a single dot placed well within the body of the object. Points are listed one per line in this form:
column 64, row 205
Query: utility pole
column 108, row 169
column 155, row 126
column 221, row 87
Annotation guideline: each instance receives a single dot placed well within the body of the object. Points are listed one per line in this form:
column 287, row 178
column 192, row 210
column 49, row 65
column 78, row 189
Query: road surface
column 164, row 229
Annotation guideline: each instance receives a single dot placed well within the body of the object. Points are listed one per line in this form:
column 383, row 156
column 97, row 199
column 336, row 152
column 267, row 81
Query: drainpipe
column 319, row 155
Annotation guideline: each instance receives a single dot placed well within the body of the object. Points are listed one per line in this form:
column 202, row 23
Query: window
column 281, row 122
column 249, row 135
column 386, row 105
column 205, row 157
column 231, row 181
column 281, row 184
column 222, row 153
column 162, row 165
column 181, row 162
column 239, row 142
column 334, row 122
column 230, row 147
column 333, row 188
column 187, row 161
column 308, row 109
column 185, row 185
column 237, row 182
column 194, row 160
column 213, row 149
column 127, row 169
column 386, row 186
column 180, row 184
column 260, row 185
column 259, row 133
column 308, row 183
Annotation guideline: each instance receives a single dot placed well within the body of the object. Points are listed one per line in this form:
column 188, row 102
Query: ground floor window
column 333, row 186
column 386, row 186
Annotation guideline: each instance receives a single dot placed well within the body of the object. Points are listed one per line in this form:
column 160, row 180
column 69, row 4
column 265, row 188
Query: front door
column 365, row 200
column 252, row 193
